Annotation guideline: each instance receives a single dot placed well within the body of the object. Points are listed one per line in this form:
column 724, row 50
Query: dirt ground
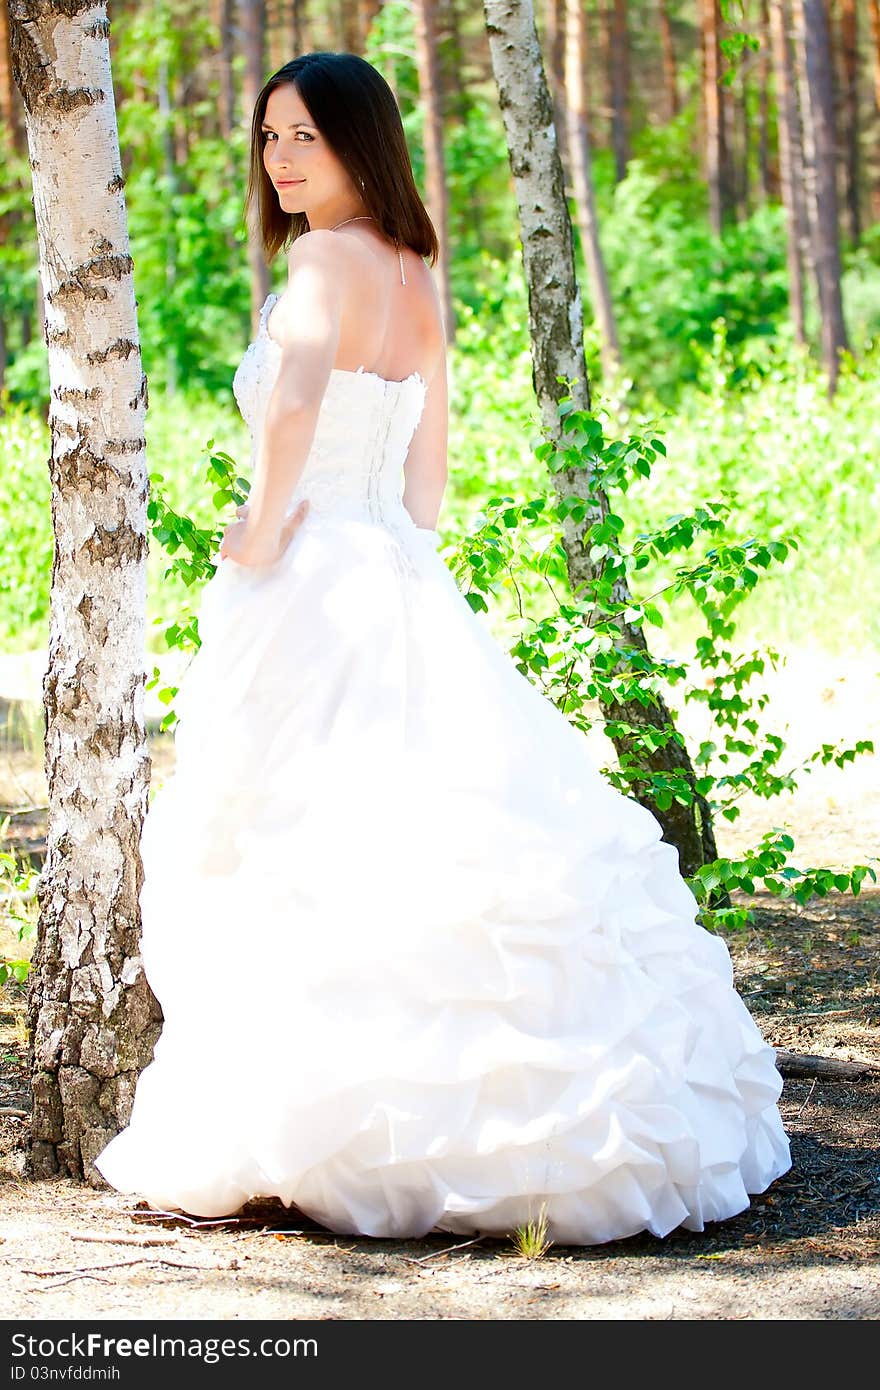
column 808, row 1248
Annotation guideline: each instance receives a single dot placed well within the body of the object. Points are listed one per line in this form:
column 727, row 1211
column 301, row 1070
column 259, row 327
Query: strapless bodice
column 365, row 424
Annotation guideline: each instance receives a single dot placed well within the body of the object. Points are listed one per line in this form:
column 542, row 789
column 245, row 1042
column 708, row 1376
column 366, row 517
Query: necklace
column 365, row 217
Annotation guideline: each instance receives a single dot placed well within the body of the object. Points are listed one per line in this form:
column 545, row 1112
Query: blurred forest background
column 740, row 322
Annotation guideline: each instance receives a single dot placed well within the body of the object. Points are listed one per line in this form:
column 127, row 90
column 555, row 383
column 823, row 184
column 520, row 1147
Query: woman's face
column 304, row 170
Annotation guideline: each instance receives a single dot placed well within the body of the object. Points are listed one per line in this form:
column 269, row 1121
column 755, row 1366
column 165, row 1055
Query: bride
column 421, row 966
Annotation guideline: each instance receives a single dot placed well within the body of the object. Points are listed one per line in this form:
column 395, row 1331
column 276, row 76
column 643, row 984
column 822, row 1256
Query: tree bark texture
column 92, row 1017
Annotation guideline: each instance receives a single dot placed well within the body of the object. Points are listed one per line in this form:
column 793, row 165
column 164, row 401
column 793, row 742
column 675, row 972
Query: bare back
column 392, row 329
column 388, row 327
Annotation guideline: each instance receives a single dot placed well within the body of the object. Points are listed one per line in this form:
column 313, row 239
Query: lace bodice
column 354, row 467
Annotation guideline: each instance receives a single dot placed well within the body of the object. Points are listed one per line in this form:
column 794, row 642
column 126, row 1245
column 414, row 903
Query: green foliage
column 671, row 279
column 192, row 549
column 17, row 886
column 25, row 529
column 577, row 650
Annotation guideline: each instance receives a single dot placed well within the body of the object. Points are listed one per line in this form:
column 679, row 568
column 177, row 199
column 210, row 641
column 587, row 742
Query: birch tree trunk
column 556, row 330
column 790, row 165
column 92, row 1017
column 582, row 179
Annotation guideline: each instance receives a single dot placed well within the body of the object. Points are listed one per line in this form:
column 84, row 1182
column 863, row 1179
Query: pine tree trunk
column 253, row 23
column 790, row 165
column 92, row 1017
column 10, row 107
column 768, row 184
column 849, row 110
column 582, row 179
column 617, row 20
column 820, row 149
column 556, row 329
column 224, row 18
column 298, row 27
column 554, row 20
column 874, row 17
column 12, row 128
column 717, row 163
column 435, row 164
column 368, row 11
column 670, row 69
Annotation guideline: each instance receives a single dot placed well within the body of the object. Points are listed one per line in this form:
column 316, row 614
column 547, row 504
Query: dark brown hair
column 357, row 114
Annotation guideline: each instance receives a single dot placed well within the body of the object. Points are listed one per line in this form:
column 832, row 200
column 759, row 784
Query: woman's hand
column 251, row 550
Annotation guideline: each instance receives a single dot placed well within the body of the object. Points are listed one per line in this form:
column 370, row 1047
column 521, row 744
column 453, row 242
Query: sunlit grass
column 531, row 1240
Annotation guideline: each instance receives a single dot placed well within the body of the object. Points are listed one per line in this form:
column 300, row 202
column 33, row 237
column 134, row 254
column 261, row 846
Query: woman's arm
column 307, row 327
column 425, row 470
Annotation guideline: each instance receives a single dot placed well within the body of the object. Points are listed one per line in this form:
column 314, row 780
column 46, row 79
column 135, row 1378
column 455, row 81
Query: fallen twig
column 436, row 1254
column 14, row 1111
column 123, row 1240
column 113, row 1264
column 810, row 1096
column 181, row 1216
column 43, row 1288
column 794, row 1065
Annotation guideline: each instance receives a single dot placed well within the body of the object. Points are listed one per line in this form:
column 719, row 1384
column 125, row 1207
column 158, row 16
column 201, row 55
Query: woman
column 421, row 966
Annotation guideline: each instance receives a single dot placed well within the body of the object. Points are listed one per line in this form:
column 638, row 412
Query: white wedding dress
column 421, row 966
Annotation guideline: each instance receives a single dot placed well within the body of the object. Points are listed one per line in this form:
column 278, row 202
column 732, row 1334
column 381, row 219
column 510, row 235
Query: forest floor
column 808, row 1248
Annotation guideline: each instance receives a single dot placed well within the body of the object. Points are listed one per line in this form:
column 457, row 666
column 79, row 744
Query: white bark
column 556, row 328
column 93, row 1018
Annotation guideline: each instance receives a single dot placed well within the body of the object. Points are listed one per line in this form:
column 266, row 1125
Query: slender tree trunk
column 224, row 18
column 454, row 84
column 716, row 151
column 618, row 83
column 556, row 329
column 849, row 110
column 670, row 68
column 741, row 145
column 298, row 27
column 874, row 15
column 368, row 12
column 171, row 181
column 874, row 18
column 768, row 186
column 554, row 11
column 252, row 20
column 582, row 178
column 817, row 106
column 92, row 1017
column 350, row 25
column 790, row 165
column 12, row 140
column 435, row 163
column 10, row 106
